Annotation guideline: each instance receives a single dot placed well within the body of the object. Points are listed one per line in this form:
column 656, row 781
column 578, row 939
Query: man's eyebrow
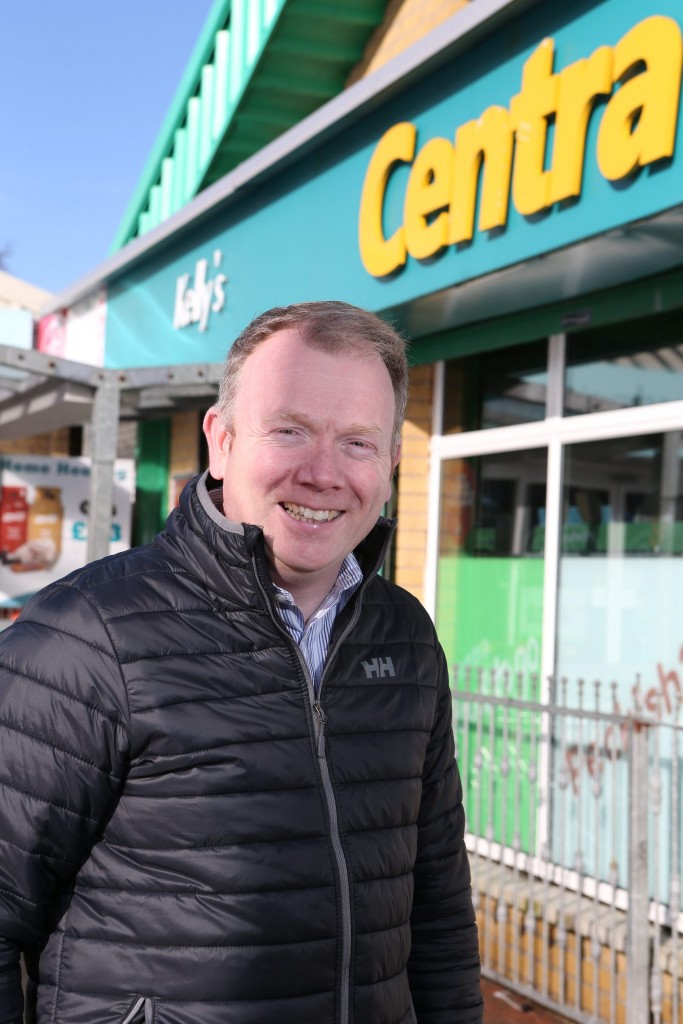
column 363, row 428
column 300, row 418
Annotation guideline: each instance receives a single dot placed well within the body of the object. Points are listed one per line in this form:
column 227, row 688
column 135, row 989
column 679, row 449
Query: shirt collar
column 348, row 578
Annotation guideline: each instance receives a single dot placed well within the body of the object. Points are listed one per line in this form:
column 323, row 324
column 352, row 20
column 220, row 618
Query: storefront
column 511, row 193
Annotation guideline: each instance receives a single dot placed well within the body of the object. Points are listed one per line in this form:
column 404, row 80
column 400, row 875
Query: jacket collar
column 224, row 553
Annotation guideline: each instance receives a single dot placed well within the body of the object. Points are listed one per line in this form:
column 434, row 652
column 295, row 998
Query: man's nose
column 319, row 465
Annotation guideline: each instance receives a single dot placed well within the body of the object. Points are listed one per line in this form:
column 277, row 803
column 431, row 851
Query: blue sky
column 85, row 86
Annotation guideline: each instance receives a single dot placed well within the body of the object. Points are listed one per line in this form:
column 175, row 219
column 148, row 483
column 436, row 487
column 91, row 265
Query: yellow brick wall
column 411, row 536
column 405, row 21
column 184, row 451
column 54, row 443
column 562, row 977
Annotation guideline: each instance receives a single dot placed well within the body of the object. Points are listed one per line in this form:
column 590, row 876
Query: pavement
column 502, row 1006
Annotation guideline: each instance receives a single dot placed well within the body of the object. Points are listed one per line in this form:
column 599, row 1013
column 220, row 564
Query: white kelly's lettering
column 181, row 316
column 218, row 293
column 194, row 305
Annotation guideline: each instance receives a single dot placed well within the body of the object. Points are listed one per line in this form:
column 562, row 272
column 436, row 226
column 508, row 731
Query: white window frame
column 553, row 433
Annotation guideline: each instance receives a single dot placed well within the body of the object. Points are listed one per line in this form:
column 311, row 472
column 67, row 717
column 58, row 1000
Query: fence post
column 638, row 943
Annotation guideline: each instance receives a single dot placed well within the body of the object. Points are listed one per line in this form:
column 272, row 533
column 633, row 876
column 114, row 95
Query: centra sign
column 506, row 148
column 194, row 303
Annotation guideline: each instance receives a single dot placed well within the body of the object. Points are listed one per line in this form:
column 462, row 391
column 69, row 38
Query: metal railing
column 574, row 819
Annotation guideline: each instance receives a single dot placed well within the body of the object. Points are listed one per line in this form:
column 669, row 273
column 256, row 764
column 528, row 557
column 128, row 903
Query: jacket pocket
column 141, row 1012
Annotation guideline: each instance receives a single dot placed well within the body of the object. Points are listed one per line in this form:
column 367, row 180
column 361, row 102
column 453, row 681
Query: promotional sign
column 44, row 519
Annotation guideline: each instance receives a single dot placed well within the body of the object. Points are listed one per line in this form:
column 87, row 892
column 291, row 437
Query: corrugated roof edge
column 422, row 58
column 164, row 141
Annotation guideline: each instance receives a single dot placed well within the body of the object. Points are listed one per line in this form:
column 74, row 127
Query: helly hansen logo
column 377, row 668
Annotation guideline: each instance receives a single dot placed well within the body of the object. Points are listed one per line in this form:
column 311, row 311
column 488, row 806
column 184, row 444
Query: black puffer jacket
column 183, row 842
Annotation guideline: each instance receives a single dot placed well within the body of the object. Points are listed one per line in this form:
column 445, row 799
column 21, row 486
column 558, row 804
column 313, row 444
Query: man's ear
column 219, row 440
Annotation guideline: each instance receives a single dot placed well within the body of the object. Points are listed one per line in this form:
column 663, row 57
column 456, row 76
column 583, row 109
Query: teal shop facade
column 283, row 226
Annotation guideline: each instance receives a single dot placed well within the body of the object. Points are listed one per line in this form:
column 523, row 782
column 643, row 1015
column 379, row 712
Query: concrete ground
column 501, row 1006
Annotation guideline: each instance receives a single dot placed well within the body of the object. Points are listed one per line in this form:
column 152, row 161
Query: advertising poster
column 44, row 519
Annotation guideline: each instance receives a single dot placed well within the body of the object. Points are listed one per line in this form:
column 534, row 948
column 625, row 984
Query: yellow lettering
column 532, row 109
column 487, row 141
column 425, row 215
column 382, row 255
column 639, row 123
column 580, row 84
column 505, row 151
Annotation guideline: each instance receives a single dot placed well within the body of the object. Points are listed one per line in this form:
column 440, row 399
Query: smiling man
column 228, row 790
column 306, row 450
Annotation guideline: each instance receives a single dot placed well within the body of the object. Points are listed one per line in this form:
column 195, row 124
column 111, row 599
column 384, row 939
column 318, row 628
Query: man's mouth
column 310, row 515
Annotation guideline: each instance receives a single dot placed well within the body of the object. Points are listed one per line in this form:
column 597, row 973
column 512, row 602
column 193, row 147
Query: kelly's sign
column 196, row 301
column 504, row 151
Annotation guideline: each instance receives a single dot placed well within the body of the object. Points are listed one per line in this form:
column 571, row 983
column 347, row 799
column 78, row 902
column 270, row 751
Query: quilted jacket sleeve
column 444, row 962
column 63, row 744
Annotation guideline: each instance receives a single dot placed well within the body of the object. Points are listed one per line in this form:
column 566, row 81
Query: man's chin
column 293, row 566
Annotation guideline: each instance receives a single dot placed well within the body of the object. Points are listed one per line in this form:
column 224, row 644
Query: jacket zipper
column 319, row 720
column 135, row 1015
column 334, row 829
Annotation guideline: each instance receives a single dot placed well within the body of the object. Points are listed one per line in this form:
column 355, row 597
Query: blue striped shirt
column 313, row 637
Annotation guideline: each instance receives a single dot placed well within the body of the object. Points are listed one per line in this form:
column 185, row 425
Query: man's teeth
column 318, row 515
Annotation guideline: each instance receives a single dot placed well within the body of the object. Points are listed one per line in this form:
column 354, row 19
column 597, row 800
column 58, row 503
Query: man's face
column 308, row 457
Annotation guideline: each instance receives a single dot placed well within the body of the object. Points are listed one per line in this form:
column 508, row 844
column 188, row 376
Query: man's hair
column 335, row 327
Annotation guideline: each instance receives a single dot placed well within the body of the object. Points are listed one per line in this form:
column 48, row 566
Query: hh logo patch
column 377, row 668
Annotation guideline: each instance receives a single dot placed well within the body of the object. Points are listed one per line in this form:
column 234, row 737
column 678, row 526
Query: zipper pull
column 318, row 708
column 142, row 1006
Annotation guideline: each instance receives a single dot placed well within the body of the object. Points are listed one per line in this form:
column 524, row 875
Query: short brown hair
column 331, row 326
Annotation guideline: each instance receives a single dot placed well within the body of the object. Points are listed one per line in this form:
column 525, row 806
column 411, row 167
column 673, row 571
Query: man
column 227, row 790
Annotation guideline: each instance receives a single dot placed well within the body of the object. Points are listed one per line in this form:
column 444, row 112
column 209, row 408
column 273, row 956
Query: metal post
column 638, row 945
column 105, row 419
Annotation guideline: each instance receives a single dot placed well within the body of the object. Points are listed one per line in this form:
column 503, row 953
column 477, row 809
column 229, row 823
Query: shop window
column 490, row 575
column 496, row 389
column 618, row 604
column 621, row 545
column 625, row 365
column 489, row 608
